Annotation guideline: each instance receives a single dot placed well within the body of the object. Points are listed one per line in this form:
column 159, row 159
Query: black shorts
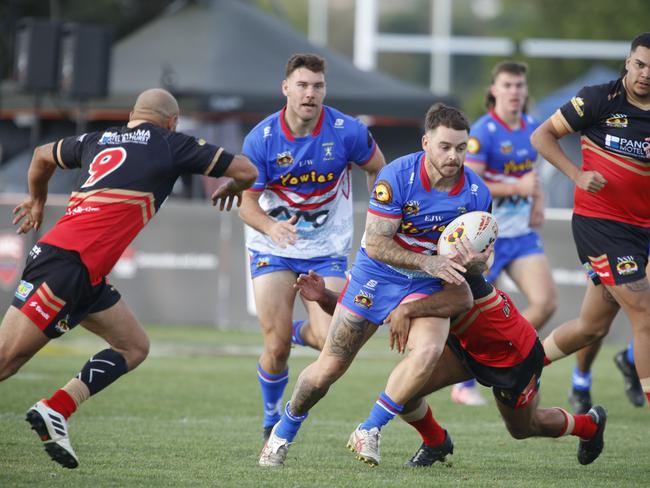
column 514, row 386
column 612, row 252
column 55, row 290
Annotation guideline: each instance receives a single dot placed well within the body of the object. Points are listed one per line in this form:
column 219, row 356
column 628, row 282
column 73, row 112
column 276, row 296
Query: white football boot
column 52, row 428
column 365, row 443
column 275, row 450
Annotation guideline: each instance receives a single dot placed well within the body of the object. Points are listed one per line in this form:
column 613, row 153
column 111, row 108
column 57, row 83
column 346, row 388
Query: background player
column 130, row 171
column 500, row 151
column 611, row 217
column 299, row 214
column 414, row 198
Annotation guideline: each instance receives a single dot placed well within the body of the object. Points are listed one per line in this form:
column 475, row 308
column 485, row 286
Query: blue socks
column 288, row 426
column 581, row 381
column 630, row 352
column 272, row 387
column 468, row 384
column 296, row 328
column 382, row 412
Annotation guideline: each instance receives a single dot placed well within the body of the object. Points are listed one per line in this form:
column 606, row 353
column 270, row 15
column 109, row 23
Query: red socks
column 431, row 432
column 584, row 427
column 63, row 403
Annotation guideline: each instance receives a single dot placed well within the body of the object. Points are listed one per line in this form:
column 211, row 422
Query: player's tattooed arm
column 381, row 246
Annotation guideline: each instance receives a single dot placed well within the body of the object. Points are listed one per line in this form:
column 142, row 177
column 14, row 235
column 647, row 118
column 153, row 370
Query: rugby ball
column 479, row 227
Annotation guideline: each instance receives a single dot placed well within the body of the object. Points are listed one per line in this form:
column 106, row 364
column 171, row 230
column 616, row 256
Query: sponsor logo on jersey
column 339, row 123
column 23, row 290
column 35, row 305
column 11, row 257
column 515, row 167
column 433, row 218
column 383, row 192
column 138, row 136
column 628, row 146
column 626, row 265
column 473, row 188
column 328, row 151
column 201, row 142
column 372, row 284
column 267, row 132
column 505, row 147
column 363, row 299
column 590, row 271
column 618, row 121
column 284, row 159
column 80, row 210
column 411, row 208
column 35, row 251
column 578, row 103
column 311, row 177
column 63, row 325
column 473, row 145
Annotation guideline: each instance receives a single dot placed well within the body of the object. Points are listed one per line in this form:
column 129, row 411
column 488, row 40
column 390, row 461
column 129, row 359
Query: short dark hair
column 511, row 67
column 450, row 117
column 313, row 62
column 642, row 40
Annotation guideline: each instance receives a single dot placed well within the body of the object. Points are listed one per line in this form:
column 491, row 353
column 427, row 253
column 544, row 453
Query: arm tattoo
column 346, row 336
column 379, row 240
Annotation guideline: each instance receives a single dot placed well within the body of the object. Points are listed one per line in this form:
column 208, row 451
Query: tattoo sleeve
column 381, row 246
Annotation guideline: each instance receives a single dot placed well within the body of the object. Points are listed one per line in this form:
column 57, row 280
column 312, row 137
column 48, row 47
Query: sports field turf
column 190, row 416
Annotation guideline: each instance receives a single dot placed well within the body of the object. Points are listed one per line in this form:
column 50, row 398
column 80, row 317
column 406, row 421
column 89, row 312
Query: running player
column 299, row 214
column 130, row 171
column 414, row 198
column 611, row 217
column 500, row 151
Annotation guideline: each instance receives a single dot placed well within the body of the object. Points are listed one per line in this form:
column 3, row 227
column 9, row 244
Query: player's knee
column 426, row 356
column 137, row 352
column 519, row 431
column 278, row 350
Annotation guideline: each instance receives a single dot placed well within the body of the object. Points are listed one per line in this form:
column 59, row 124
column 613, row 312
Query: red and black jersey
column 613, row 126
column 130, row 173
column 494, row 332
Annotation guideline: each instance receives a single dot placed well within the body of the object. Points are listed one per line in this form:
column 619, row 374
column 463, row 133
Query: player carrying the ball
column 414, row 198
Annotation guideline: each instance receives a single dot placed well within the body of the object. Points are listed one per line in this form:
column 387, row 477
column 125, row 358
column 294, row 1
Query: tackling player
column 130, row 171
column 492, row 342
column 611, row 216
column 299, row 214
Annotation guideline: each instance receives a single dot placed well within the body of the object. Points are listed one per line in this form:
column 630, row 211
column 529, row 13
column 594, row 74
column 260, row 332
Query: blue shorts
column 373, row 292
column 509, row 249
column 262, row 263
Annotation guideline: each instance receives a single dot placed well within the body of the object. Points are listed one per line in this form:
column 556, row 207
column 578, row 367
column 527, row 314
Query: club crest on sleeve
column 383, row 192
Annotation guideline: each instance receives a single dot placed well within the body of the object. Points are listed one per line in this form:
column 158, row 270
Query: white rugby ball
column 479, row 227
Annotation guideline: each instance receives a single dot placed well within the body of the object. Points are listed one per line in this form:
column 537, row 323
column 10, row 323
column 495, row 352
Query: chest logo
column 473, row 145
column 506, row 147
column 618, row 121
column 284, row 159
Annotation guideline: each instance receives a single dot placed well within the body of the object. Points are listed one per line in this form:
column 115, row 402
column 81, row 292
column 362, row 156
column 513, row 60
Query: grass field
column 190, row 416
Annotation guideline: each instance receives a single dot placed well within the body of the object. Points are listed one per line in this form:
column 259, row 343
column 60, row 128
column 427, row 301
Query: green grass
column 190, row 416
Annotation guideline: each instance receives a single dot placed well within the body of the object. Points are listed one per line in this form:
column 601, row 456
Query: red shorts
column 55, row 290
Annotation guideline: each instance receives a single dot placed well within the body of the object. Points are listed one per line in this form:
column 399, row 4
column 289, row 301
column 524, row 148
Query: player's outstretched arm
column 312, row 288
column 29, row 214
column 239, row 176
